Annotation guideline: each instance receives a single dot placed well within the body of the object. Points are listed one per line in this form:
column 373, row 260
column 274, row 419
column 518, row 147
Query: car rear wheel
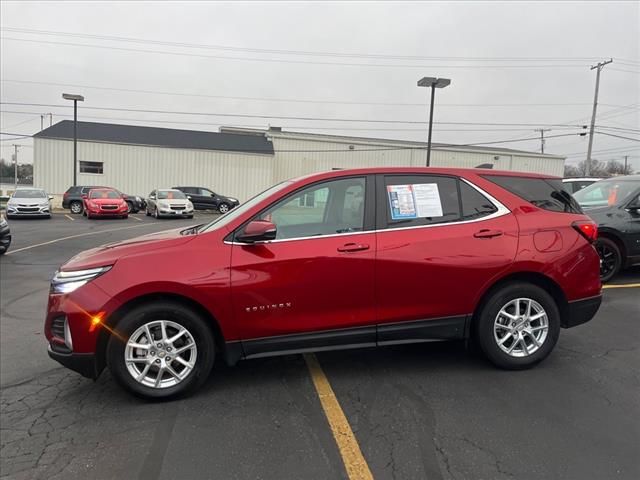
column 610, row 258
column 155, row 213
column 129, row 207
column 223, row 208
column 76, row 207
column 163, row 350
column 518, row 326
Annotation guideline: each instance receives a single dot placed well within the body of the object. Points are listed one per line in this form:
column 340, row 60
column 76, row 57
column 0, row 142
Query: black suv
column 72, row 199
column 205, row 199
column 614, row 204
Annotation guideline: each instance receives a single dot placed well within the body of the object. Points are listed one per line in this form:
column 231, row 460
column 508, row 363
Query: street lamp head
column 427, row 81
column 70, row 96
column 434, row 82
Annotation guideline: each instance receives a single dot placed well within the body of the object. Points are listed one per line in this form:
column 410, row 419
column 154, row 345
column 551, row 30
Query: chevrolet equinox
column 343, row 259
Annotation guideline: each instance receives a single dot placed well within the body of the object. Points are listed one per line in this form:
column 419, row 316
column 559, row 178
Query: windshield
column 29, row 194
column 104, row 194
column 233, row 214
column 170, row 195
column 606, row 193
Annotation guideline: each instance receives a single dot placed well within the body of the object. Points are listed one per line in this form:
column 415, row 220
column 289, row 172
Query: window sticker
column 414, row 201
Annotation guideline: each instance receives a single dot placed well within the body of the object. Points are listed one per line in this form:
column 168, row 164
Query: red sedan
column 104, row 202
column 342, row 259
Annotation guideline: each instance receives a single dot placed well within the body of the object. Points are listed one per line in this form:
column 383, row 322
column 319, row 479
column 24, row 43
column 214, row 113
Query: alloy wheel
column 76, row 208
column 160, row 354
column 223, row 208
column 609, row 259
column 521, row 327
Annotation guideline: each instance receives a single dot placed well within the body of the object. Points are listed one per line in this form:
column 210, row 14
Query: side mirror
column 85, row 196
column 50, row 197
column 188, row 197
column 152, row 197
column 634, row 206
column 258, row 231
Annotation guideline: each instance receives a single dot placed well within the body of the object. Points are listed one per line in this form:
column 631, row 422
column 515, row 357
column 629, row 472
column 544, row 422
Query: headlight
column 163, row 204
column 67, row 282
column 234, row 200
column 138, row 199
column 189, row 204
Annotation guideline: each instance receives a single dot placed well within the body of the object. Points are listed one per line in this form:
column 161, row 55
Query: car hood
column 110, row 253
column 28, row 201
column 105, row 201
column 174, row 201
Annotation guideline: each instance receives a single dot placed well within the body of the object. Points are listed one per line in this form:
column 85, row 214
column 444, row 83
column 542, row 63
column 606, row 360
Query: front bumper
column 83, row 363
column 171, row 212
column 581, row 311
column 28, row 211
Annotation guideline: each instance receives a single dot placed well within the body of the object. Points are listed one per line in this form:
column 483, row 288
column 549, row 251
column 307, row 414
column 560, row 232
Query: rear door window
column 545, row 193
column 417, row 200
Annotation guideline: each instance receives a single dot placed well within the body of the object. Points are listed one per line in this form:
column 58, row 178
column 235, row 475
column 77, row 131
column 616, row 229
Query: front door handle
column 487, row 233
column 353, row 247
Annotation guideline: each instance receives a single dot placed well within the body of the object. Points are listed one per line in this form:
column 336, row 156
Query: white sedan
column 169, row 203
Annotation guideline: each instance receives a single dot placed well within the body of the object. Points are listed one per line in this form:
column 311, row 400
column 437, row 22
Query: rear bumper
column 82, row 363
column 581, row 311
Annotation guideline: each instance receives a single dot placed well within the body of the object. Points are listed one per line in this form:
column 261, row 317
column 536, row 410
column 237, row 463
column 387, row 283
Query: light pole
column 433, row 83
column 76, row 99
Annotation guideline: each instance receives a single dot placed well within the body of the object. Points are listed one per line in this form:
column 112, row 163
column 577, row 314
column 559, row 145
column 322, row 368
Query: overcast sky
column 518, row 63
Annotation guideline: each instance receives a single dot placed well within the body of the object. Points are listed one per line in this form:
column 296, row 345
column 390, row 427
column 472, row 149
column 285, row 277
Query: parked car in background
column 205, row 199
column 5, row 235
column 104, row 202
column 72, row 199
column 574, row 185
column 29, row 202
column 614, row 204
column 334, row 260
column 169, row 203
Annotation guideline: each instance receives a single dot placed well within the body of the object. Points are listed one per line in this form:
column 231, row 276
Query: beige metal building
column 238, row 162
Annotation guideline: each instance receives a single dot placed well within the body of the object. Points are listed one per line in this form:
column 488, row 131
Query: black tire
column 147, row 213
column 76, row 207
column 173, row 312
column 156, row 215
column 129, row 206
column 610, row 258
column 223, row 208
column 484, row 326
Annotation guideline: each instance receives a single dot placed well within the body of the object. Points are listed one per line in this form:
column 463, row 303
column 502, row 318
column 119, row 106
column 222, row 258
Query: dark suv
column 205, row 199
column 72, row 199
column 614, row 204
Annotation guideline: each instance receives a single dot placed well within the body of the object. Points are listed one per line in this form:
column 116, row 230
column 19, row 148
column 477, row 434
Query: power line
column 290, row 52
column 273, row 60
column 619, row 136
column 283, row 117
column 295, row 100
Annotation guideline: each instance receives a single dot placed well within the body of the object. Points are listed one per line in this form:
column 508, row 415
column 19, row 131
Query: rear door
column 440, row 241
column 316, row 279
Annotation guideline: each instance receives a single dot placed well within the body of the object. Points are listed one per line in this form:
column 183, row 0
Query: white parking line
column 135, row 218
column 76, row 236
column 69, row 217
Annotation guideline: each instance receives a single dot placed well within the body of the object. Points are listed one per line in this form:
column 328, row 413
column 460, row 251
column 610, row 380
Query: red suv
column 333, row 260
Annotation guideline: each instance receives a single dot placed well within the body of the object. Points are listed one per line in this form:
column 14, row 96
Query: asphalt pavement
column 427, row 411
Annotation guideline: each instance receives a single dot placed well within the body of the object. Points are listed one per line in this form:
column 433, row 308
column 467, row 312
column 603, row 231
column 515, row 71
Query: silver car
column 169, row 203
column 29, row 202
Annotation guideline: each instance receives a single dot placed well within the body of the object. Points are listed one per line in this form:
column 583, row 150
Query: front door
column 314, row 284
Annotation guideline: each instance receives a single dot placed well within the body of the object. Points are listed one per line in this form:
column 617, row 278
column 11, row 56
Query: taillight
column 65, row 194
column 587, row 228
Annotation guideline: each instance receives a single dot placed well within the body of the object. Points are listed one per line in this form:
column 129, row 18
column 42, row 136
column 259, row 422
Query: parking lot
column 425, row 411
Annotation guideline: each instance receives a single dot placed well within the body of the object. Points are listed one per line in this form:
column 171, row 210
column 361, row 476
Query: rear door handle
column 487, row 233
column 353, row 247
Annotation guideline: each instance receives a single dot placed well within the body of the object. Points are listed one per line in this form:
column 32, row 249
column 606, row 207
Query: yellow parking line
column 69, row 217
column 135, row 218
column 628, row 285
column 354, row 462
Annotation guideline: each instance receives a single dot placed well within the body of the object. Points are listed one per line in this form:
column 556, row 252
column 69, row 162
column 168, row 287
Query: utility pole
column 41, row 122
column 542, row 130
column 598, row 69
column 625, row 164
column 50, row 118
column 15, row 166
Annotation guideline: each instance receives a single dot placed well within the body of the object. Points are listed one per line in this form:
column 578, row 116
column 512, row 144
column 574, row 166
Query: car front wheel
column 223, row 208
column 164, row 350
column 518, row 326
column 610, row 258
column 76, row 208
